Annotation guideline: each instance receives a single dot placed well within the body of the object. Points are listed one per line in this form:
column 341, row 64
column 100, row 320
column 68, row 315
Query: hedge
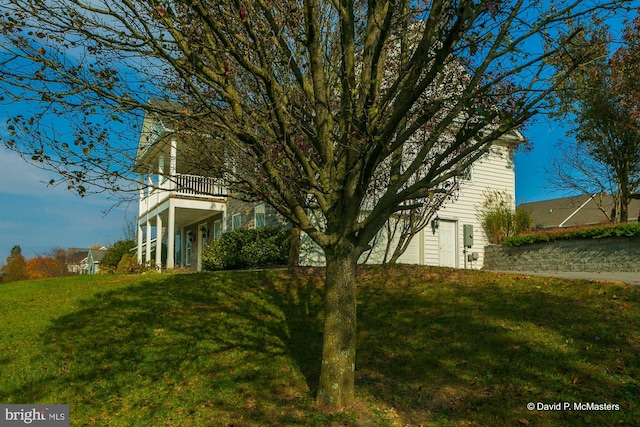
column 597, row 232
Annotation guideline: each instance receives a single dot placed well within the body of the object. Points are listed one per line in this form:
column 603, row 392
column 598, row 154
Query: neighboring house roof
column 76, row 255
column 97, row 254
column 575, row 211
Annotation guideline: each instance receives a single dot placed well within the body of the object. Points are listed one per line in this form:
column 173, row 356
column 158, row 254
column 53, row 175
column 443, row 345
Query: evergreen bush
column 114, row 254
column 129, row 265
column 248, row 248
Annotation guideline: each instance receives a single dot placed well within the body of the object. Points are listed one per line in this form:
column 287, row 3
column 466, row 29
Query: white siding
column 493, row 172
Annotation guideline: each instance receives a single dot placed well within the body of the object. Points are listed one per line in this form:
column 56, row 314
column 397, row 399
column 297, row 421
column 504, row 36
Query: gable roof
column 575, row 211
column 97, row 254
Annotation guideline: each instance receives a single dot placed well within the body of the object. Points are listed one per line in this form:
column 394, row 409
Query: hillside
column 435, row 347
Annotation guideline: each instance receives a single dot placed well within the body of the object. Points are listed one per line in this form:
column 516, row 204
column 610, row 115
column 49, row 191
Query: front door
column 447, row 243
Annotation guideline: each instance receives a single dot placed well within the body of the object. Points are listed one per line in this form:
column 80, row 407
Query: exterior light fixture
column 435, row 224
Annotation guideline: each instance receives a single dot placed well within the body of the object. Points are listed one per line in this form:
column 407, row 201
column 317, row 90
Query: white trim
column 202, row 241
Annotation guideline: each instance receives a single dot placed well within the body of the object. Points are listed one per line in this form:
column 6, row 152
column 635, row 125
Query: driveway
column 625, row 277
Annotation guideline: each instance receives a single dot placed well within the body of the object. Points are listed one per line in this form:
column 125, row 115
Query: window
column 204, row 232
column 177, row 250
column 217, row 229
column 260, row 216
column 236, row 221
column 187, row 249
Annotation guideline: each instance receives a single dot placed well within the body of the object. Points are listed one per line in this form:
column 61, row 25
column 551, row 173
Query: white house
column 188, row 210
column 173, row 203
column 91, row 263
column 185, row 210
column 455, row 237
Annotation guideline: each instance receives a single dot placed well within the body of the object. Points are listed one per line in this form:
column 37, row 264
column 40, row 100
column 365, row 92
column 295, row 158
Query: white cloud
column 19, row 177
column 39, row 217
column 9, row 225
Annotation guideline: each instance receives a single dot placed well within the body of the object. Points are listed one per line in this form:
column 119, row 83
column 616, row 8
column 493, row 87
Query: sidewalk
column 625, row 277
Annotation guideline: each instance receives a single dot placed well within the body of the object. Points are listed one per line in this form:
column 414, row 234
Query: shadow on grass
column 449, row 348
column 211, row 349
column 435, row 347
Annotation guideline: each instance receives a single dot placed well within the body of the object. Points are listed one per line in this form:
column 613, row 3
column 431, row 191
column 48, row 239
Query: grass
column 436, row 347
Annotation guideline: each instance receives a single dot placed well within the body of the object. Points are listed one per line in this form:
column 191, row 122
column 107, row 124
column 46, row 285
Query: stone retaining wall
column 608, row 254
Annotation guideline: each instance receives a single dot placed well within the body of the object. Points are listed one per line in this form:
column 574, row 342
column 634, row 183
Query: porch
column 184, row 226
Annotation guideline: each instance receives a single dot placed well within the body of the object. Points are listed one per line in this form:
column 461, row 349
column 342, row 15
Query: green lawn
column 436, row 347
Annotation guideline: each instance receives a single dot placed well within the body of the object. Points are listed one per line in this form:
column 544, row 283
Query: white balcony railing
column 183, row 185
column 196, row 185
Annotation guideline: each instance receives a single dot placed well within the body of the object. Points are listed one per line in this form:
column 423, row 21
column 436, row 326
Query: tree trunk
column 294, row 248
column 624, row 202
column 337, row 374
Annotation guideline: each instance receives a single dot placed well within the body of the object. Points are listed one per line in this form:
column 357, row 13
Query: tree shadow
column 434, row 347
column 442, row 350
column 235, row 341
column 301, row 299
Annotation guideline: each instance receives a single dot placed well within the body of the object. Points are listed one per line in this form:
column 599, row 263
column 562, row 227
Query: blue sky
column 39, row 217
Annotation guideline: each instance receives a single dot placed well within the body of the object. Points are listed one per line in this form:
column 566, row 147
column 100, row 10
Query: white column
column 199, row 248
column 148, row 251
column 173, row 156
column 160, row 169
column 139, row 229
column 158, row 242
column 139, row 242
column 171, row 236
column 140, row 195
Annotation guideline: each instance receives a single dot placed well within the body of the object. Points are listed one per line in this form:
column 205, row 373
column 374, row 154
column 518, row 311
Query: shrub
column 114, row 254
column 500, row 220
column 247, row 248
column 129, row 265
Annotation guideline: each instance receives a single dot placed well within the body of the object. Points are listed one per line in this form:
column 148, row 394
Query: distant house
column 93, row 259
column 76, row 260
column 586, row 209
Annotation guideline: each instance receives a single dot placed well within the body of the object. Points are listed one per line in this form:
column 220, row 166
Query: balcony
column 190, row 186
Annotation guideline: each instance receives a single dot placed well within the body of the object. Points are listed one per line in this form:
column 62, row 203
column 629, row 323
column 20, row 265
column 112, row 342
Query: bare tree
column 602, row 102
column 315, row 103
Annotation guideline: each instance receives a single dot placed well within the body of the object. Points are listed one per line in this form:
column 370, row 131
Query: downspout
column 576, row 211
